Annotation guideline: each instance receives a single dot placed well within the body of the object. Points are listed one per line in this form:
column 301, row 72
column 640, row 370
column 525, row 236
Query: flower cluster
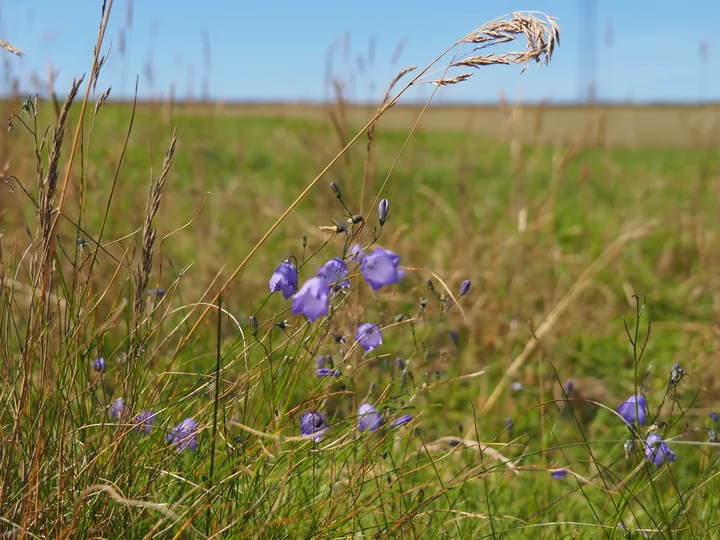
column 634, row 414
column 182, row 437
column 314, row 425
column 313, row 299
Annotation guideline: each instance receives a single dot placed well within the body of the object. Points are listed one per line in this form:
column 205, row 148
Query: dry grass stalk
column 48, row 184
column 11, row 49
column 102, row 100
column 453, row 80
column 149, row 233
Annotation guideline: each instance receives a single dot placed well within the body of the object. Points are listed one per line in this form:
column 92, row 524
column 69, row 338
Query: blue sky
column 278, row 50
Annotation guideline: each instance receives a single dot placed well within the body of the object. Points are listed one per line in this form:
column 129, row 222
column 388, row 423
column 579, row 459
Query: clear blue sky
column 277, row 50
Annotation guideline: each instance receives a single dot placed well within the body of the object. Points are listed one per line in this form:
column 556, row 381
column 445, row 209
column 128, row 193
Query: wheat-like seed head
column 11, row 48
column 541, row 37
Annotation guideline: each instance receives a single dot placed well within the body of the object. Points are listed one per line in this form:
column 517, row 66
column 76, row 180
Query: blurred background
column 612, row 51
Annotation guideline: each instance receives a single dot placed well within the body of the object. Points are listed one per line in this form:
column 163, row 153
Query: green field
column 556, row 228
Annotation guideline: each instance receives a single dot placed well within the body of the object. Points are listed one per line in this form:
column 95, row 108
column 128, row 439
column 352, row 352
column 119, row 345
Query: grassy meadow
column 590, row 262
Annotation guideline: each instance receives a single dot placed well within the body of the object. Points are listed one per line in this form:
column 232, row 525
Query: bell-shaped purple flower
column 357, row 254
column 312, row 299
column 454, row 337
column 657, row 451
column 328, row 372
column 185, row 435
column 144, row 421
column 465, row 287
column 558, row 474
column 335, row 273
column 99, row 365
column 634, row 409
column 284, row 279
column 313, row 423
column 401, row 420
column 713, row 416
column 369, row 418
column 368, row 336
column 380, row 268
column 117, row 409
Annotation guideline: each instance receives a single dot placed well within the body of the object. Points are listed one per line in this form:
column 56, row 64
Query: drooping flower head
column 369, row 418
column 312, row 299
column 335, row 273
column 328, row 372
column 713, row 416
column 99, row 365
column 657, row 451
column 380, row 268
column 144, row 421
column 368, row 336
column 284, row 279
column 185, row 435
column 401, row 420
column 313, row 423
column 559, row 473
column 634, row 409
column 117, row 409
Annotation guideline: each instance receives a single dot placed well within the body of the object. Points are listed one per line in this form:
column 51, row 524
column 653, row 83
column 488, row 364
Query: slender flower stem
column 215, row 406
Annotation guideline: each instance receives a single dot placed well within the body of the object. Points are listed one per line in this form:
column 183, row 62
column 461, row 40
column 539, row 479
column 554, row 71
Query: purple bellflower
column 312, row 299
column 99, row 365
column 335, row 273
column 328, row 372
column 356, row 254
column 144, row 421
column 369, row 418
column 185, row 435
column 657, row 451
column 634, row 409
column 401, row 420
column 117, row 409
column 368, row 336
column 380, row 268
column 284, row 279
column 313, row 423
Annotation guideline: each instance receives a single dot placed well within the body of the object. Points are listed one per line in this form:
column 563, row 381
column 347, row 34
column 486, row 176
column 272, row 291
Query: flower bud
column 465, row 287
column 336, row 190
column 253, row 324
column 383, row 210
